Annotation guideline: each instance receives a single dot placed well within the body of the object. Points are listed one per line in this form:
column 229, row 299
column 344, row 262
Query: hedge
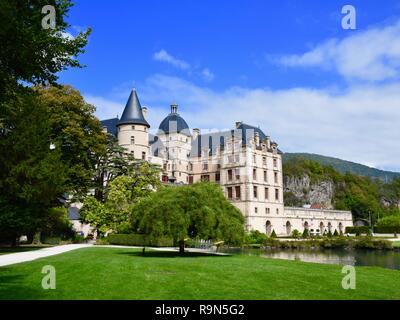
column 387, row 229
column 358, row 230
column 138, row 240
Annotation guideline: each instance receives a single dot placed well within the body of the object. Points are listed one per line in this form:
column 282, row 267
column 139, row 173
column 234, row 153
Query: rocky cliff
column 301, row 190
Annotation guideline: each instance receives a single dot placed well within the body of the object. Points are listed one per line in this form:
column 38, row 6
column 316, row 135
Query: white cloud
column 164, row 56
column 207, row 74
column 105, row 108
column 360, row 124
column 372, row 55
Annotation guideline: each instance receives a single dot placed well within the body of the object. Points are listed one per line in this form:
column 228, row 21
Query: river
column 389, row 259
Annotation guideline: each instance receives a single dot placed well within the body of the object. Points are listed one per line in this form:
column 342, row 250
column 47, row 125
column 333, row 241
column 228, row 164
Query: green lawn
column 7, row 250
column 116, row 273
column 396, row 244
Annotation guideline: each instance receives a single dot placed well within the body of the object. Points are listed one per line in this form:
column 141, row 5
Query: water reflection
column 378, row 258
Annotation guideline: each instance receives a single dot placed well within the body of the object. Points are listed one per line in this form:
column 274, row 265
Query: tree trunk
column 182, row 247
column 36, row 238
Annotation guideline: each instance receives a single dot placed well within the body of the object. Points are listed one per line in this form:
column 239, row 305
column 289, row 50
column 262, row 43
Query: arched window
column 268, row 228
column 288, row 228
column 321, row 228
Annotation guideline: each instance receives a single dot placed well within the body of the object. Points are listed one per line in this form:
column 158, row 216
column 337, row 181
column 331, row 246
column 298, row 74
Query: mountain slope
column 344, row 166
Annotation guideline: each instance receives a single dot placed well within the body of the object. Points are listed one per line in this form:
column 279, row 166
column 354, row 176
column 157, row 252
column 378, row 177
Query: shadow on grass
column 16, row 286
column 171, row 254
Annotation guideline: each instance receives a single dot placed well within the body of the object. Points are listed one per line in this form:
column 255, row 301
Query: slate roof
column 111, row 125
column 133, row 111
column 174, row 123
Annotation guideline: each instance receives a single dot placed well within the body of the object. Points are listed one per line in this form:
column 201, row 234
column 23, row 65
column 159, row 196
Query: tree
column 30, row 53
column 114, row 213
column 76, row 132
column 273, row 234
column 200, row 210
column 296, row 234
column 32, row 177
column 306, row 233
column 389, row 221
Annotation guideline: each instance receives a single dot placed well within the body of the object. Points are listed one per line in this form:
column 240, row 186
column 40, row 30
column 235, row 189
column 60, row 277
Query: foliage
column 30, row 53
column 273, row 234
column 387, row 229
column 361, row 195
column 76, row 134
column 139, row 240
column 200, row 210
column 296, row 234
column 389, row 221
column 358, row 230
column 336, row 233
column 123, row 192
column 306, row 233
column 255, row 237
column 342, row 166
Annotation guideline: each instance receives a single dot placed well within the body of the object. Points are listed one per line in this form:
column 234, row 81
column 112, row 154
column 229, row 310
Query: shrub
column 273, row 234
column 387, row 229
column 296, row 234
column 306, row 233
column 138, row 240
column 78, row 239
column 358, row 230
column 255, row 237
column 329, row 234
column 51, row 240
column 336, row 234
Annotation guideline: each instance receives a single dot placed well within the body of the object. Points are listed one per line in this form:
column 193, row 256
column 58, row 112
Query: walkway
column 13, row 258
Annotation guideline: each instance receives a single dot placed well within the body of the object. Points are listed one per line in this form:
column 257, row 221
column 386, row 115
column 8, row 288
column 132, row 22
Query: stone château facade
column 244, row 161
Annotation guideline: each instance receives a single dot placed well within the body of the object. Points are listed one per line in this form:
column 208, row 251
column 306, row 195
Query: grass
column 117, row 273
column 7, row 250
column 396, row 244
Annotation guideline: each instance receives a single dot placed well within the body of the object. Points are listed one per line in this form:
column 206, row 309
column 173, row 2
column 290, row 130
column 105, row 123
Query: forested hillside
column 309, row 182
column 344, row 166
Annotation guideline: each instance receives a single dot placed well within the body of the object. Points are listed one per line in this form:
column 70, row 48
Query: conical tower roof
column 133, row 111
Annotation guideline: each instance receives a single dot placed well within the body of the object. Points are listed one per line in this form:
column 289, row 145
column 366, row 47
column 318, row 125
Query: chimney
column 196, row 133
column 268, row 142
column 237, row 124
column 144, row 111
column 257, row 138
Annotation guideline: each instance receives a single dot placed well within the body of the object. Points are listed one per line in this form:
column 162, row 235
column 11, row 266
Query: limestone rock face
column 307, row 192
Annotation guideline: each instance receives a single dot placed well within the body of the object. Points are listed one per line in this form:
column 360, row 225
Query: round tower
column 133, row 129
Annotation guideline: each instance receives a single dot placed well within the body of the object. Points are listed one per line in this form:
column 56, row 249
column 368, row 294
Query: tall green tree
column 114, row 212
column 199, row 210
column 30, row 53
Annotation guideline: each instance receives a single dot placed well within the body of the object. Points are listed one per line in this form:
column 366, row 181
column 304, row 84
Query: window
column 165, row 166
column 256, row 210
column 275, row 162
column 264, row 161
column 255, row 193
column 267, row 210
column 276, row 194
column 190, row 179
column 230, row 193
column 133, row 127
column 218, row 176
column 276, row 177
column 266, row 193
column 237, row 174
column 205, row 177
column 237, row 192
column 230, row 175
column 205, row 166
column 254, row 174
column 143, row 155
column 254, row 159
column 132, row 140
column 265, row 176
column 277, row 211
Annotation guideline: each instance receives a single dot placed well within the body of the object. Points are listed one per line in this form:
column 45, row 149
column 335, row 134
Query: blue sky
column 287, row 66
